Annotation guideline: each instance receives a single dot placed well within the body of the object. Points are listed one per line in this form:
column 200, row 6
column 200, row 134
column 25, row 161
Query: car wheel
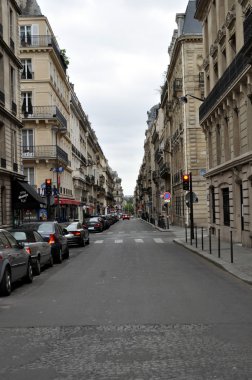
column 87, row 242
column 37, row 268
column 29, row 273
column 60, row 258
column 5, row 286
column 82, row 243
column 67, row 253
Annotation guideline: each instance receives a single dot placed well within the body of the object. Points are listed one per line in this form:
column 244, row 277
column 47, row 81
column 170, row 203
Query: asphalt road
column 131, row 305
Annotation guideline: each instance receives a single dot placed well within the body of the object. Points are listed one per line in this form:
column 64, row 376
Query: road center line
column 138, row 240
column 98, row 241
column 158, row 240
column 118, row 241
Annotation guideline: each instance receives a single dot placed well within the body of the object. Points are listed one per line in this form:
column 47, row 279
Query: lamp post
column 55, row 129
column 183, row 99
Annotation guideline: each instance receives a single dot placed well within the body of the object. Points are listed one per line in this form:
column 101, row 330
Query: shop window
column 3, row 205
column 212, row 205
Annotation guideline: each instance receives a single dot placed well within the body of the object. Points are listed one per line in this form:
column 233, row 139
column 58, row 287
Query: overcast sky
column 118, row 51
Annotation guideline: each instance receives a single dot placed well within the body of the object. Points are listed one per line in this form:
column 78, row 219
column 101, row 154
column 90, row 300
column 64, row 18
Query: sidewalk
column 242, row 257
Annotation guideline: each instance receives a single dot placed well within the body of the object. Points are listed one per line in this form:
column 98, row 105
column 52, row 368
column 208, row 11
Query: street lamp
column 183, row 99
column 188, row 180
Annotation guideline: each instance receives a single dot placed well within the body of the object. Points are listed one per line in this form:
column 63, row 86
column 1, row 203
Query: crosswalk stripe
column 138, row 240
column 118, row 241
column 98, row 241
column 158, row 240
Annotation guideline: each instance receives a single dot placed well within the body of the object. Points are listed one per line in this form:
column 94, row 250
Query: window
column 25, row 35
column 212, row 205
column 27, row 103
column 27, row 142
column 27, row 69
column 12, row 83
column 29, row 175
column 14, row 146
column 226, row 208
column 11, row 23
column 218, row 144
column 3, row 205
column 2, row 141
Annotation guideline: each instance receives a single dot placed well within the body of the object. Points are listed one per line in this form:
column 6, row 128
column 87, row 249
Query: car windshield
column 18, row 235
column 72, row 227
column 45, row 227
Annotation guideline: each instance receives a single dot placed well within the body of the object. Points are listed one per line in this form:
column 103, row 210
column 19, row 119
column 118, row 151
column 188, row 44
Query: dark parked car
column 15, row 262
column 53, row 233
column 94, row 224
column 77, row 233
column 38, row 249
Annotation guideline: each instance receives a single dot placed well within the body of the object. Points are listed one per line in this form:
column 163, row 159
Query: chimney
column 180, row 18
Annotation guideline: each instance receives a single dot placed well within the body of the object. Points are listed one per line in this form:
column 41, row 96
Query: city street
column 131, row 305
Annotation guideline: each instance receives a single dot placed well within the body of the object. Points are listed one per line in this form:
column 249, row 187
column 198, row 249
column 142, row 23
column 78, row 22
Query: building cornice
column 241, row 160
column 180, row 40
column 11, row 117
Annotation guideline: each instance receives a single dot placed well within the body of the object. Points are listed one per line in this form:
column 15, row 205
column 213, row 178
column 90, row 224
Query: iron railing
column 237, row 66
column 45, row 112
column 42, row 41
column 45, row 152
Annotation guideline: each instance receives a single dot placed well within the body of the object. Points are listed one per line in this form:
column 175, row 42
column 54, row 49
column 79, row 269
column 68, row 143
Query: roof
column 191, row 25
column 30, row 8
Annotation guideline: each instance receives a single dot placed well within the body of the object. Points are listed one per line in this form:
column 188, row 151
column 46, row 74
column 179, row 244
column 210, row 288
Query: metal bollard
column 202, row 241
column 210, row 241
column 231, row 247
column 219, row 243
column 186, row 232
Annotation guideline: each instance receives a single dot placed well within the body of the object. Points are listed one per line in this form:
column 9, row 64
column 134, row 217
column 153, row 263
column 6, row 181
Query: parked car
column 53, row 233
column 77, row 233
column 36, row 247
column 95, row 224
column 15, row 262
column 126, row 216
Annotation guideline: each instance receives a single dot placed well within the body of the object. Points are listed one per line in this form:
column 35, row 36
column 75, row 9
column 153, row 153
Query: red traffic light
column 48, row 182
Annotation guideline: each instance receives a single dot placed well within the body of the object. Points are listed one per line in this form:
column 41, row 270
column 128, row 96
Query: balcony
column 46, row 152
column 165, row 171
column 35, row 41
column 45, row 113
column 231, row 74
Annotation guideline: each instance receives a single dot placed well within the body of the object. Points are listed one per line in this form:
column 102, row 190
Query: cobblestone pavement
column 185, row 352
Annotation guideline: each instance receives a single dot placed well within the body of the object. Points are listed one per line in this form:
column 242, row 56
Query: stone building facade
column 10, row 118
column 225, row 115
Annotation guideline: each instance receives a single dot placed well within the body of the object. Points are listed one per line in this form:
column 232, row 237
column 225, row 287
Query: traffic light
column 186, row 182
column 48, row 186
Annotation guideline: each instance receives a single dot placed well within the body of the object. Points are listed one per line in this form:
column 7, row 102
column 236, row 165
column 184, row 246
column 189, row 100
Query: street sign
column 194, row 197
column 167, row 196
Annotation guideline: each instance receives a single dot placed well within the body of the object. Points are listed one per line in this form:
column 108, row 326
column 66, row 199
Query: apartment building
column 225, row 115
column 15, row 194
column 177, row 141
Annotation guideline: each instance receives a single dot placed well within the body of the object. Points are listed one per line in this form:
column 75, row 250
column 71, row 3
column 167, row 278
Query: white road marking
column 158, row 240
column 138, row 240
column 118, row 241
column 98, row 241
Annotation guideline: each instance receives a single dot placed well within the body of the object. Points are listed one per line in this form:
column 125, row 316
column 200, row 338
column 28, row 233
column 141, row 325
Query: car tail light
column 28, row 250
column 98, row 225
column 76, row 233
column 52, row 239
column 1, row 257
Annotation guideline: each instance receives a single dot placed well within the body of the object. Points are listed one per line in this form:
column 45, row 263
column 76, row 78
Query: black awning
column 24, row 196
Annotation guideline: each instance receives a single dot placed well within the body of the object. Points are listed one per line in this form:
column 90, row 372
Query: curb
column 218, row 262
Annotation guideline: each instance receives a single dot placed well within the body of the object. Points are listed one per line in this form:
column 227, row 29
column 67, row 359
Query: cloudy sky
column 118, row 56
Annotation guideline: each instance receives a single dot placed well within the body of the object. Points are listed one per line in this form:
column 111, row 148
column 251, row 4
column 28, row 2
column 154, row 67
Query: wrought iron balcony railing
column 45, row 152
column 37, row 41
column 45, row 112
column 232, row 73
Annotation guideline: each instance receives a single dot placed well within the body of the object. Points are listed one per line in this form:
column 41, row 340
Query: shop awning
column 24, row 196
column 66, row 201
